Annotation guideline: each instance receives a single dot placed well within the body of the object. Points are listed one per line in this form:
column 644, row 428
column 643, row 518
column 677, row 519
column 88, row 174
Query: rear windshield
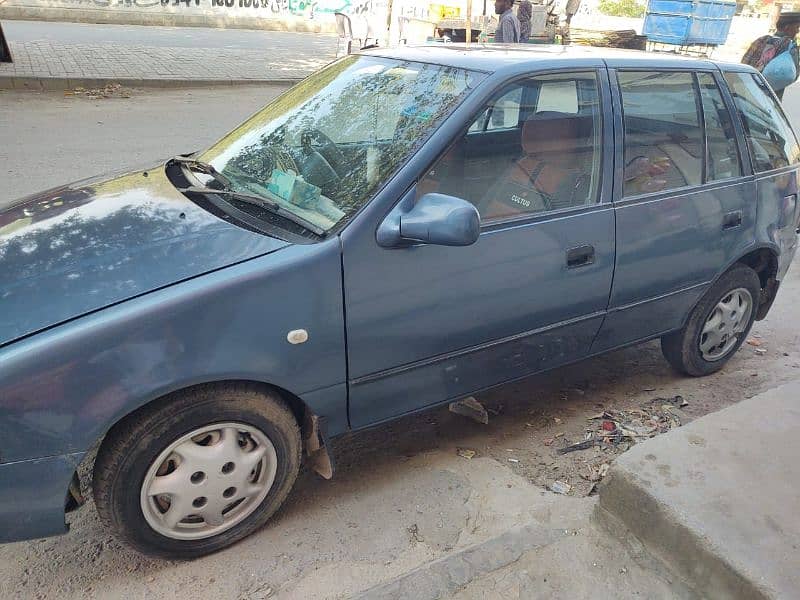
column 770, row 138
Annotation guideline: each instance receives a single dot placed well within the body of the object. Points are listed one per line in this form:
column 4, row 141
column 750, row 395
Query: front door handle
column 580, row 256
column 732, row 219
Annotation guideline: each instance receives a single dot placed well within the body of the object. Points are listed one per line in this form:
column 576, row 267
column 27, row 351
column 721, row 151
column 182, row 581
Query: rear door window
column 770, row 138
column 663, row 134
column 723, row 154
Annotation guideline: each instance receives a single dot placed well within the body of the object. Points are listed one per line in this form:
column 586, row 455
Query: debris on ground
column 754, row 342
column 589, row 442
column 466, row 453
column 413, row 531
column 621, row 428
column 560, row 487
column 111, row 90
column 513, row 460
column 761, row 351
column 470, row 408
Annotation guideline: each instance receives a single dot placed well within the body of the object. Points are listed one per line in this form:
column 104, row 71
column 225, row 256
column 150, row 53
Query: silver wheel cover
column 208, row 481
column 725, row 325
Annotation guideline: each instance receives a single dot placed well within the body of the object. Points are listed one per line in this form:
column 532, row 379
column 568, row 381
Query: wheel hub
column 208, row 480
column 725, row 324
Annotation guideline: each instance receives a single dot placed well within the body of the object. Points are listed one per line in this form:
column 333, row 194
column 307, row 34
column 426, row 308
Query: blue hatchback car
column 402, row 229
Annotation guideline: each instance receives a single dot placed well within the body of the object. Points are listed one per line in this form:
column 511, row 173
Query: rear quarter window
column 770, row 138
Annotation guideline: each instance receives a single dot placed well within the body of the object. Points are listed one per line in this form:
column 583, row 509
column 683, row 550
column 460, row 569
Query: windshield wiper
column 259, row 201
column 203, row 167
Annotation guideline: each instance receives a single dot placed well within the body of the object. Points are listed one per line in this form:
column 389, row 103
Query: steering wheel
column 326, row 147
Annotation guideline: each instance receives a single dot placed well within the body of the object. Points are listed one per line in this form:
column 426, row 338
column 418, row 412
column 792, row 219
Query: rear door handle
column 580, row 256
column 732, row 219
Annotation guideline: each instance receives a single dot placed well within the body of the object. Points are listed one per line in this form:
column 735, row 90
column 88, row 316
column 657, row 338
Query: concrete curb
column 448, row 574
column 39, row 84
column 676, row 547
column 714, row 500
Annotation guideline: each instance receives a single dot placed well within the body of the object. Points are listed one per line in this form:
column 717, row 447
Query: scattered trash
column 622, row 428
column 471, row 408
column 677, row 413
column 623, row 570
column 549, row 441
column 494, row 411
column 413, row 531
column 595, row 474
column 649, row 390
column 584, row 445
column 559, row 487
column 754, row 342
column 761, row 351
column 557, row 420
column 466, row 453
column 513, row 460
column 675, row 401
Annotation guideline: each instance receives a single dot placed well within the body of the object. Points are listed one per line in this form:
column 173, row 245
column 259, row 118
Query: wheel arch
column 307, row 420
column 763, row 259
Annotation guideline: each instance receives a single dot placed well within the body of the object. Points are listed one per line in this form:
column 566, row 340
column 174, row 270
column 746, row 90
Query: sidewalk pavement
column 54, row 61
column 716, row 500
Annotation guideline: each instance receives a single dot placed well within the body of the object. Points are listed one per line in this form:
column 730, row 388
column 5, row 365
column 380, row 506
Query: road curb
column 713, row 500
column 39, row 84
column 448, row 574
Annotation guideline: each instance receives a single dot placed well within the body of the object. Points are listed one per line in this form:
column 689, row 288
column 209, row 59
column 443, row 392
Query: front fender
column 62, row 389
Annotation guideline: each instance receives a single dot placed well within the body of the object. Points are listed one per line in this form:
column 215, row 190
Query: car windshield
column 325, row 147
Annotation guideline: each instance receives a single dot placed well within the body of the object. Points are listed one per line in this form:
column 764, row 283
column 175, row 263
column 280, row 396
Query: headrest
column 553, row 131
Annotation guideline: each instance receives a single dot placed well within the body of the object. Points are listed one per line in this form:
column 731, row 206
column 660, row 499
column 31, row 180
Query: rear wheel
column 199, row 472
column 717, row 326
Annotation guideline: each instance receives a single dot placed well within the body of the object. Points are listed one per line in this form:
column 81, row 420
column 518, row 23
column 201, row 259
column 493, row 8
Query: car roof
column 492, row 58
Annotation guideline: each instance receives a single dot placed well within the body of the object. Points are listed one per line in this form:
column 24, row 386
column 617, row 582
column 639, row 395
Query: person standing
column 525, row 14
column 508, row 28
column 768, row 47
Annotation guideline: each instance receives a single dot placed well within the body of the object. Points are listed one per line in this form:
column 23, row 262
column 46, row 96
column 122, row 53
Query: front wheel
column 199, row 471
column 717, row 326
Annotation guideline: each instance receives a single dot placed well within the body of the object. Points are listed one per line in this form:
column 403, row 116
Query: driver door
column 426, row 323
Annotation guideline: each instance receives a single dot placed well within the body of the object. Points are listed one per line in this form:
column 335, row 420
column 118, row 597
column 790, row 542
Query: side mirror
column 435, row 219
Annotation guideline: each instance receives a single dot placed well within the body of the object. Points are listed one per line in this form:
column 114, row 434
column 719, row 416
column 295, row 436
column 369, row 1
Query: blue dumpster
column 688, row 22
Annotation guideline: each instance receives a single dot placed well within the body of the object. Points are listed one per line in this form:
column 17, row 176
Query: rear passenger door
column 684, row 198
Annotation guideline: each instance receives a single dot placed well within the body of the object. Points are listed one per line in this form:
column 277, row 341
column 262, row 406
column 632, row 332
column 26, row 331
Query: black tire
column 682, row 348
column 133, row 445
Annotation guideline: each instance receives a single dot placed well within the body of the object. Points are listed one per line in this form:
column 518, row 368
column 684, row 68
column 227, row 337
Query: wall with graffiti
column 303, row 15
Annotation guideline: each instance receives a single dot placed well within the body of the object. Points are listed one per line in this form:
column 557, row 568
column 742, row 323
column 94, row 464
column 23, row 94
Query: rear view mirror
column 435, row 219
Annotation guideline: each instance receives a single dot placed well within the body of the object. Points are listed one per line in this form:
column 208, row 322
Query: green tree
column 621, row 8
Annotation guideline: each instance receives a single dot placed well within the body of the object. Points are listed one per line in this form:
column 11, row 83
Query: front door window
column 534, row 148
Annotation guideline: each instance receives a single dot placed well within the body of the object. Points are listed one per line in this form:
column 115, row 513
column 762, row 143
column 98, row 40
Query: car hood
column 78, row 248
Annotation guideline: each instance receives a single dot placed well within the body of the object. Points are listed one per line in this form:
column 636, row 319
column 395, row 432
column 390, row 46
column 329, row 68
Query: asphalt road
column 403, row 495
column 59, row 139
column 167, row 37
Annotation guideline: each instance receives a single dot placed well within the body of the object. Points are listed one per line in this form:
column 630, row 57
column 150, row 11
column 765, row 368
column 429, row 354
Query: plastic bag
column 781, row 70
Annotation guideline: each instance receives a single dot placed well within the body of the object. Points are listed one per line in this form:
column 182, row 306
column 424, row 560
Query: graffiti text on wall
column 276, row 7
